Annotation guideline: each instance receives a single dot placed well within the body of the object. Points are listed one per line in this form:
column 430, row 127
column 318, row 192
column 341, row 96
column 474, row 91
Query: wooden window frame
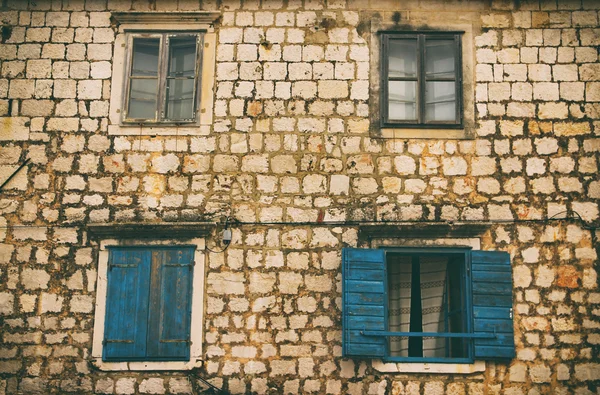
column 163, row 66
column 421, row 80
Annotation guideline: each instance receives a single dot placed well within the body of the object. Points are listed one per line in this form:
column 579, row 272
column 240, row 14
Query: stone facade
column 293, row 156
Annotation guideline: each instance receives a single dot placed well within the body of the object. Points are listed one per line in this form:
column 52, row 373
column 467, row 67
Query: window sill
column 442, row 368
column 408, row 133
column 140, row 366
column 159, row 130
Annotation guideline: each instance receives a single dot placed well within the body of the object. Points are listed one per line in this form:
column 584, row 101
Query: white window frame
column 196, row 332
column 428, row 367
column 143, row 22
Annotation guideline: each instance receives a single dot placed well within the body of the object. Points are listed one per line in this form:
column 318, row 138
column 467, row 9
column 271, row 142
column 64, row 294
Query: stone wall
column 292, row 145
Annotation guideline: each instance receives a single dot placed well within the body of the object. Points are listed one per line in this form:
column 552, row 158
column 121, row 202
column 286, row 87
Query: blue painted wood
column 126, row 317
column 491, row 288
column 495, row 300
column 365, row 274
column 490, row 312
column 492, row 304
column 365, row 310
column 173, row 318
column 358, row 337
column 490, row 276
column 363, row 302
column 431, row 334
column 365, row 298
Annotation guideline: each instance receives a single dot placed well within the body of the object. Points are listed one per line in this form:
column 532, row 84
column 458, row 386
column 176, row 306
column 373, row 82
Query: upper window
column 421, row 80
column 449, row 305
column 163, row 78
column 163, row 73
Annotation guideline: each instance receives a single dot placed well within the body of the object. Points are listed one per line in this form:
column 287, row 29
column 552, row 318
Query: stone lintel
column 129, row 230
column 422, row 230
column 147, row 18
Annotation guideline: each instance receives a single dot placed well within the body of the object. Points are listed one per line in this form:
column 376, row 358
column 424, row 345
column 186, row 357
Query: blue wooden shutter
column 170, row 320
column 364, row 299
column 126, row 317
column 492, row 304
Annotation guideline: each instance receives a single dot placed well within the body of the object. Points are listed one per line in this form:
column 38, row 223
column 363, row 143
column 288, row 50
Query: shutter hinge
column 510, row 314
column 193, row 263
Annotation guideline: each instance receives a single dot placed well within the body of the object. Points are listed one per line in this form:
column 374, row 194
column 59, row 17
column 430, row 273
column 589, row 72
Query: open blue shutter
column 492, row 304
column 126, row 318
column 364, row 299
column 171, row 321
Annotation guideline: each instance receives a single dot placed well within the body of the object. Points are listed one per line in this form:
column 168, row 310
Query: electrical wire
column 575, row 218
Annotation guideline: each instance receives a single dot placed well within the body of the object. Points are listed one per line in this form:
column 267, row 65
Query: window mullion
column 199, row 43
column 421, row 78
column 384, row 99
column 458, row 78
column 162, row 77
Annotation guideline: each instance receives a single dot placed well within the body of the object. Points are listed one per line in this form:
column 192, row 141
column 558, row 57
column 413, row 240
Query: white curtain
column 399, row 285
column 433, row 291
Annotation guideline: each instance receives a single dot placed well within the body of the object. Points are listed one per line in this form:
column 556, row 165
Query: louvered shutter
column 127, row 305
column 364, row 299
column 171, row 306
column 492, row 304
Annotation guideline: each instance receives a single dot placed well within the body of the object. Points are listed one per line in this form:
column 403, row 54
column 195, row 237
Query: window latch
column 510, row 313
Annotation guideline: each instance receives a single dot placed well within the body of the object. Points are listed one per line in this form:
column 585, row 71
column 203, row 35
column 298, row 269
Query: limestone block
column 6, row 303
column 331, row 89
column 81, row 304
column 275, row 71
column 152, row 386
column 14, row 128
column 226, row 283
column 51, row 303
column 34, row 279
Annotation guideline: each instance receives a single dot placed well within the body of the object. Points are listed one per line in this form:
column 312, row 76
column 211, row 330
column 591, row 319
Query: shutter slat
column 492, row 304
column 126, row 318
column 365, row 310
column 363, row 300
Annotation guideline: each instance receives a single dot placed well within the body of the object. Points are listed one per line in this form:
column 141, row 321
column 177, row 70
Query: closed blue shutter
column 127, row 304
column 170, row 316
column 364, row 299
column 492, row 304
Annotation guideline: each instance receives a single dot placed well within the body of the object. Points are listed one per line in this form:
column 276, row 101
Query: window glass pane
column 180, row 99
column 402, row 59
column 402, row 100
column 142, row 98
column 182, row 56
column 440, row 101
column 439, row 58
column 145, row 57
